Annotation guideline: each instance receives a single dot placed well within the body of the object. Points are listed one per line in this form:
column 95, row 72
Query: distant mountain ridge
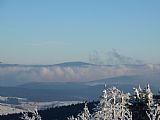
column 81, row 64
column 64, row 64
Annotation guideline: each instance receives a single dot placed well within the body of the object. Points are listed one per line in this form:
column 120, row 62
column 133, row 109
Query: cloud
column 95, row 58
column 24, row 74
column 112, row 58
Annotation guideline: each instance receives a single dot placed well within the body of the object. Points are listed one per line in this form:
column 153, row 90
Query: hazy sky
column 54, row 31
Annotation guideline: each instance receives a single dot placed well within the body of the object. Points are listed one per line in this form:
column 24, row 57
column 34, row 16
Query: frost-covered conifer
column 113, row 106
column 35, row 115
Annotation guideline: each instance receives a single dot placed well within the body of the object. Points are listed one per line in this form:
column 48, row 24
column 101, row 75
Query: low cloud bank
column 24, row 74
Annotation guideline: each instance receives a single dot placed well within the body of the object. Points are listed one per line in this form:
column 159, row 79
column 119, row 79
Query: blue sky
column 54, row 31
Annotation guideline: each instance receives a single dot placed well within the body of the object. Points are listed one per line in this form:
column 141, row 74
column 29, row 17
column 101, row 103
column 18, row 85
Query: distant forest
column 58, row 113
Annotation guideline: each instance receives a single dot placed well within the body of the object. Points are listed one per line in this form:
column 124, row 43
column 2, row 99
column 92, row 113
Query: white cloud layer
column 24, row 74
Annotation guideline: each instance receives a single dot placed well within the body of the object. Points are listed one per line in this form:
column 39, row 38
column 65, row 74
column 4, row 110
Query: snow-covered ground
column 6, row 109
column 30, row 106
column 52, row 104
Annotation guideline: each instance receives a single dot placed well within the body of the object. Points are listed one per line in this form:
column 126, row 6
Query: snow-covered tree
column 25, row 116
column 72, row 118
column 113, row 106
column 103, row 111
column 35, row 115
column 153, row 112
column 84, row 115
column 146, row 97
